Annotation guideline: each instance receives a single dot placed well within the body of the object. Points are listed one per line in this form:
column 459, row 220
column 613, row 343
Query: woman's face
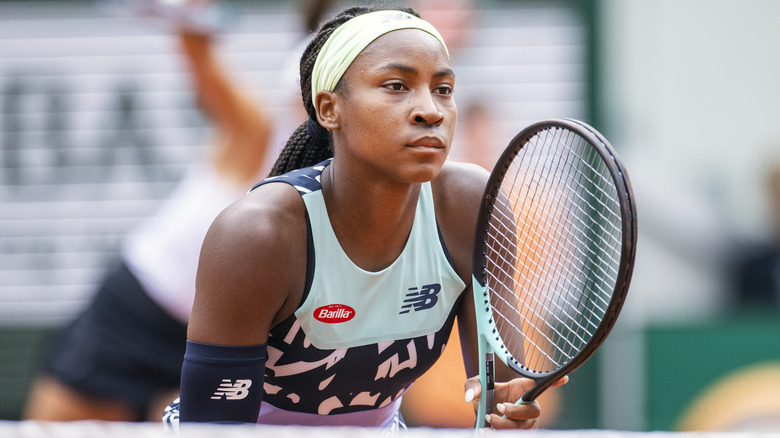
column 395, row 107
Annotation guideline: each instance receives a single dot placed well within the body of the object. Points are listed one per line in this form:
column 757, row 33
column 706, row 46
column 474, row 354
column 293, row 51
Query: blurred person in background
column 120, row 358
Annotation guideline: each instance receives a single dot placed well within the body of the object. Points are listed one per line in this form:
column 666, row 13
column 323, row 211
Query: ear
column 327, row 114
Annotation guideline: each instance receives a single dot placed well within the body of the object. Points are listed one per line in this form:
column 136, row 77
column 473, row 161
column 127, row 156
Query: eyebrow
column 409, row 69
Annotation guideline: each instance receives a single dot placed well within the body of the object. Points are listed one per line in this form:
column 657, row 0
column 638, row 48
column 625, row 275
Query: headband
column 352, row 37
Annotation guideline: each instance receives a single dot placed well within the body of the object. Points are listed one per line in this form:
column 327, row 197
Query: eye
column 445, row 90
column 395, row 86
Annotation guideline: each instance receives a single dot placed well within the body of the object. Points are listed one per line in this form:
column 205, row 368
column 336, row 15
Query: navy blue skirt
column 122, row 347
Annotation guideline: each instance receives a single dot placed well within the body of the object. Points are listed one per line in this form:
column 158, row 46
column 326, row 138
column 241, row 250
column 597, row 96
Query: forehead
column 415, row 45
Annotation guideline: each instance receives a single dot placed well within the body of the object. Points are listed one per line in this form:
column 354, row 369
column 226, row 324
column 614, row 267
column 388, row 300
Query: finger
column 501, row 422
column 562, row 381
column 513, row 390
column 518, row 412
column 473, row 389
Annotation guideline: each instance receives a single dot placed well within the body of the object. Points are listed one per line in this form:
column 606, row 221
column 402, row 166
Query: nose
column 425, row 111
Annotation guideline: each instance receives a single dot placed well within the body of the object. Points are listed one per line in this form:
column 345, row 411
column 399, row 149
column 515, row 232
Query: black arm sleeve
column 222, row 384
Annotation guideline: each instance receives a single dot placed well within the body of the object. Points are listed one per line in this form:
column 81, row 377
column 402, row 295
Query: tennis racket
column 553, row 256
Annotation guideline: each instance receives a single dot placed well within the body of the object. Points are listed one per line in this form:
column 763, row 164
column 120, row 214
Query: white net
column 99, row 429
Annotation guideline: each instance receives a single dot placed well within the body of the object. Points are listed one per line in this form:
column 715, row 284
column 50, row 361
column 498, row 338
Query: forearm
column 222, row 384
column 243, row 128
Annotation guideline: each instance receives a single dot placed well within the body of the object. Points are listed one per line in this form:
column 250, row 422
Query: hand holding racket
column 553, row 256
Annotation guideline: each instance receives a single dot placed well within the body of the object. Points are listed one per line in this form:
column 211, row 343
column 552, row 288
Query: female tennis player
column 331, row 286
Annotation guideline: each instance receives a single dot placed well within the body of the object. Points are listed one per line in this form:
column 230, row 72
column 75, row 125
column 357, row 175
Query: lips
column 427, row 142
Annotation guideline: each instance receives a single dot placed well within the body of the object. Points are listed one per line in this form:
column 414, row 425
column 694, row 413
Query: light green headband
column 349, row 39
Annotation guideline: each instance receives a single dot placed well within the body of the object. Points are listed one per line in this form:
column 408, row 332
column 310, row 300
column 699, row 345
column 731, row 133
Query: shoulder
column 458, row 188
column 457, row 192
column 267, row 212
column 458, row 179
column 251, row 263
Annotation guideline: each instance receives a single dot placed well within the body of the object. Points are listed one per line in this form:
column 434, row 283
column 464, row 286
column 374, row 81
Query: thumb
column 473, row 389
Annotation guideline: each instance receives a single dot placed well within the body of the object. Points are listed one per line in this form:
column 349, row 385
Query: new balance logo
column 392, row 16
column 421, row 299
column 232, row 391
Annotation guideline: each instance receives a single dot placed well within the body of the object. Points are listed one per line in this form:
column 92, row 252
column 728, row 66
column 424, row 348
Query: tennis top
column 359, row 338
column 162, row 252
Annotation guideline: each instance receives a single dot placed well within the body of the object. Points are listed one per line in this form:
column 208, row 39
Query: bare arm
column 243, row 128
column 252, row 268
column 459, row 190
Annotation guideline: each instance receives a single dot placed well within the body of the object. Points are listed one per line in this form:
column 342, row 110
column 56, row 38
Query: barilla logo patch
column 334, row 313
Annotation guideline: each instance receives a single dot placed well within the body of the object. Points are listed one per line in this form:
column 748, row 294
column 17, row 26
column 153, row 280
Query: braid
column 306, row 148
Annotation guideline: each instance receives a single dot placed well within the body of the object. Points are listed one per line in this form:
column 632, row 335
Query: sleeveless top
column 358, row 339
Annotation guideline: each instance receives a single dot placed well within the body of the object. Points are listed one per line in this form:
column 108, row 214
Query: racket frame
column 489, row 339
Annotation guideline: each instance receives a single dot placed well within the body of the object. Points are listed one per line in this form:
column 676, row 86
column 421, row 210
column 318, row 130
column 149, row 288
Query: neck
column 371, row 218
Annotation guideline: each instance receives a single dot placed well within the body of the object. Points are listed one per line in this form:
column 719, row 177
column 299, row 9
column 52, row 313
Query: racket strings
column 556, row 235
column 558, row 254
column 567, row 278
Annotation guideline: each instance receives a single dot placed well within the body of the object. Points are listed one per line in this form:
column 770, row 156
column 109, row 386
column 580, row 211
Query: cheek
column 367, row 121
column 363, row 110
column 378, row 119
column 368, row 125
column 451, row 120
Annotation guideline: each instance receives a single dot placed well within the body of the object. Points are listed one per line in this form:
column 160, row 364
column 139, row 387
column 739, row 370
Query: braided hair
column 311, row 143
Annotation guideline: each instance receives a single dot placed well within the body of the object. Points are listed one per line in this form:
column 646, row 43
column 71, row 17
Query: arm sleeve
column 222, row 384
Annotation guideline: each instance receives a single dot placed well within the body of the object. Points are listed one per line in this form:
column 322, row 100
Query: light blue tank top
column 359, row 338
column 348, row 306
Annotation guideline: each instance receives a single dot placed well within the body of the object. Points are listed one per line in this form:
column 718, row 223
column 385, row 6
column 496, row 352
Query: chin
column 424, row 172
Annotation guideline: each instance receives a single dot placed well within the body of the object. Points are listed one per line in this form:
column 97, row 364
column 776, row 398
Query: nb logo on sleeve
column 421, row 299
column 232, row 391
